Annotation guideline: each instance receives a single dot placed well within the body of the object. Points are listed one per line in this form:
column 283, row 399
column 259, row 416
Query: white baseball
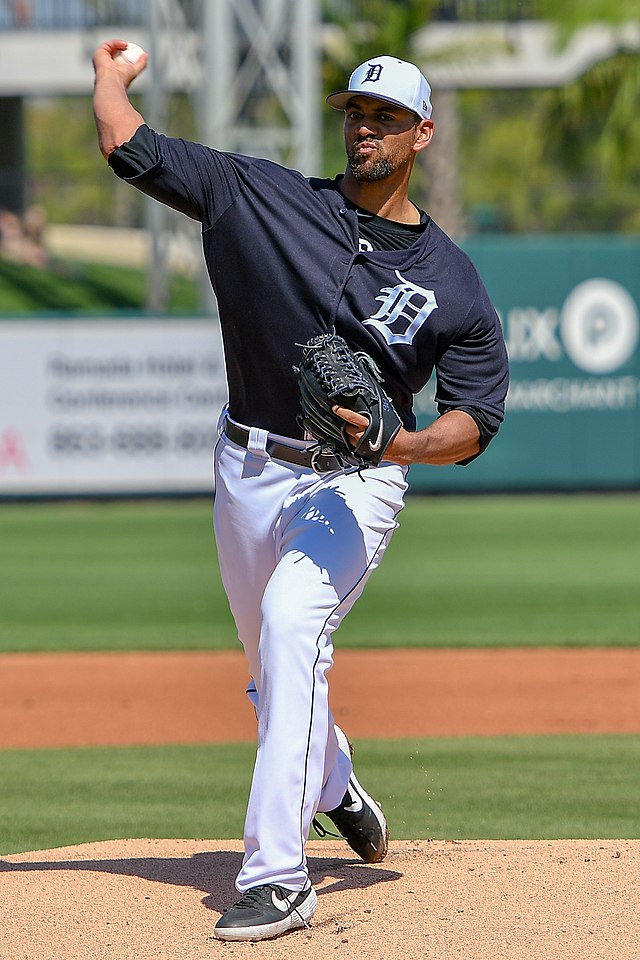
column 130, row 54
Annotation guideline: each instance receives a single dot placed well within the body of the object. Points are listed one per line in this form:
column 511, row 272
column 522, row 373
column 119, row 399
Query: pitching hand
column 103, row 60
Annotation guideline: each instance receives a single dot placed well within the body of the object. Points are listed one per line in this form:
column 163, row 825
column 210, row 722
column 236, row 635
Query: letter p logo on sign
column 599, row 326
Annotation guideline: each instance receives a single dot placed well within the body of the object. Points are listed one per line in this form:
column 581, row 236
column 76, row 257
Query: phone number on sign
column 130, row 441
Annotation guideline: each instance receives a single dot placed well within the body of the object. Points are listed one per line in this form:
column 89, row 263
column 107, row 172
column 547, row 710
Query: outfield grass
column 460, row 571
column 507, row 571
column 111, row 576
column 579, row 787
column 79, row 287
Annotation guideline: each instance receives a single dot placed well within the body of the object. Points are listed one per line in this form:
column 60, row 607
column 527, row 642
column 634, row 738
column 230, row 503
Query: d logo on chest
column 404, row 309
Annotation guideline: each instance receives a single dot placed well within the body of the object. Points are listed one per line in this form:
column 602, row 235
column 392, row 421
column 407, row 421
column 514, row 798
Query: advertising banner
column 109, row 406
column 569, row 309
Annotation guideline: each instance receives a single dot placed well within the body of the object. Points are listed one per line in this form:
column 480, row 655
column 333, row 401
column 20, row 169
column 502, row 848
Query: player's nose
column 367, row 131
column 367, row 126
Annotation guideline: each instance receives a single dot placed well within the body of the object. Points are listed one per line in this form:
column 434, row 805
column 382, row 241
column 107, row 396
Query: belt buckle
column 317, row 454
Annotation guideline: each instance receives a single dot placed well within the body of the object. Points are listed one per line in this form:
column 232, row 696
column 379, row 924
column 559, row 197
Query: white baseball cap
column 387, row 78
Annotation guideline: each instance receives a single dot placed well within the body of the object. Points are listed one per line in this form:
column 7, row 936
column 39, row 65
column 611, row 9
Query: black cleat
column 361, row 822
column 266, row 911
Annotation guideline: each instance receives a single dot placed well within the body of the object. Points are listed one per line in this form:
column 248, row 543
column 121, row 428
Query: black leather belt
column 309, row 457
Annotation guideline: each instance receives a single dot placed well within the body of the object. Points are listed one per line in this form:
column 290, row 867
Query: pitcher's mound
column 481, row 900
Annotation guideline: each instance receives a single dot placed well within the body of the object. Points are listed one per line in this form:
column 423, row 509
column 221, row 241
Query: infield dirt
column 67, row 699
column 481, row 900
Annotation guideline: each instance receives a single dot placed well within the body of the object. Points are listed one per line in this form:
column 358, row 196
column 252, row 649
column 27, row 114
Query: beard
column 368, row 169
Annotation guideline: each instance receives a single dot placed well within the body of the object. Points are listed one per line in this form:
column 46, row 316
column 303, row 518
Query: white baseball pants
column 295, row 551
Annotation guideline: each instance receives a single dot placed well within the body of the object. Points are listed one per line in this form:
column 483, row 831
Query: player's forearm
column 449, row 439
column 116, row 118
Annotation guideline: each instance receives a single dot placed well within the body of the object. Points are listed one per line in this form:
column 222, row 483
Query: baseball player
column 297, row 534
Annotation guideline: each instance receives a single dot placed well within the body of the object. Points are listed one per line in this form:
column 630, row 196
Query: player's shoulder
column 452, row 262
column 443, row 246
column 203, row 153
column 458, row 280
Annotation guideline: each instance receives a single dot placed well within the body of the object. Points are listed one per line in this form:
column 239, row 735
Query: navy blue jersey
column 282, row 252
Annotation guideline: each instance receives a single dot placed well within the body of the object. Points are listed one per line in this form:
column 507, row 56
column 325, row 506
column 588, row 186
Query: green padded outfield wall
column 569, row 307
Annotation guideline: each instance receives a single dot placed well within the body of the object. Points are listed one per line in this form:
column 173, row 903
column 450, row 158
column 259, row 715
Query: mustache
column 362, row 141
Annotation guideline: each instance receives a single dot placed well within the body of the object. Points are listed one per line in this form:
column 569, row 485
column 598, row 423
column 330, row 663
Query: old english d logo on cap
column 390, row 79
column 374, row 73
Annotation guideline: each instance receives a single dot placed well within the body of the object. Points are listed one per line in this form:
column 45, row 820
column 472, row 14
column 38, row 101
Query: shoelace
column 304, row 920
column 253, row 897
column 322, row 830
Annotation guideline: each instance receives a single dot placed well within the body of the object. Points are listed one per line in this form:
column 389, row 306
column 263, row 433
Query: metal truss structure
column 251, row 68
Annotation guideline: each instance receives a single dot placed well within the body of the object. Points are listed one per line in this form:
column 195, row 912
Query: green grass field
column 476, row 571
column 472, row 571
column 83, row 288
column 452, row 788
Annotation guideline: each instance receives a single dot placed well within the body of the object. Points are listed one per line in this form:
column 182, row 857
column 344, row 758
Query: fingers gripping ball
column 331, row 374
column 130, row 54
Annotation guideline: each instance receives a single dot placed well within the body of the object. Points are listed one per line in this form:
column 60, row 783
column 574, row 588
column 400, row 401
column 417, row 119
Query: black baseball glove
column 332, row 374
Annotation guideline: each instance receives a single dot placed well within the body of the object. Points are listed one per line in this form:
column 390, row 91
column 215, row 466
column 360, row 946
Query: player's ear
column 424, row 132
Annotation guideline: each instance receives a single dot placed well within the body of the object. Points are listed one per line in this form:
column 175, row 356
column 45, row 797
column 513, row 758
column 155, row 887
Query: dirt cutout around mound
column 481, row 900
column 66, row 699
